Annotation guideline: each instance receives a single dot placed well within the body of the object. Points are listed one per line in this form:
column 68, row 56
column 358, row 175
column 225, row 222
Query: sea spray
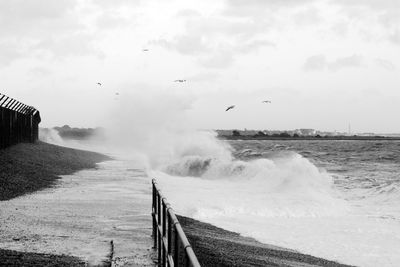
column 158, row 136
column 285, row 188
column 51, row 136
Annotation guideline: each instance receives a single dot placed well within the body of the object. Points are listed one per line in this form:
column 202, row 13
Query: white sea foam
column 283, row 200
column 291, row 187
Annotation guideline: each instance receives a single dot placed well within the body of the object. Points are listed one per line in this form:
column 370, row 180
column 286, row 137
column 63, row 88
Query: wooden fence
column 18, row 122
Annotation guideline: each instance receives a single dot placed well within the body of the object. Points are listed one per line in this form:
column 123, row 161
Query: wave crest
column 288, row 186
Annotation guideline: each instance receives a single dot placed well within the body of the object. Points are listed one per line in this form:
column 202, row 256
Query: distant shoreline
column 309, row 138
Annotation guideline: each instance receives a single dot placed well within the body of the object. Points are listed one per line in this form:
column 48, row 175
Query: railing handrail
column 167, row 227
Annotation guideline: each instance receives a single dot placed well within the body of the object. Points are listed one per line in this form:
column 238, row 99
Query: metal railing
column 18, row 122
column 171, row 242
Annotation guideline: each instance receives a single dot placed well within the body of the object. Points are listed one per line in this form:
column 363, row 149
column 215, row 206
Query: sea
column 338, row 200
column 335, row 199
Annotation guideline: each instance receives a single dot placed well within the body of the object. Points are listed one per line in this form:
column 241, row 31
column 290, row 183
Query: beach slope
column 26, row 168
column 217, row 247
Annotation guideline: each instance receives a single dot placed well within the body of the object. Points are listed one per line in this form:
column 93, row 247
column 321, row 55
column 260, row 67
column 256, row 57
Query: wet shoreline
column 26, row 168
column 215, row 246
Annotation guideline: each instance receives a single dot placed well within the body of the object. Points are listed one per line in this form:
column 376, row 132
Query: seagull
column 99, row 84
column 145, row 50
column 116, row 93
column 230, row 107
column 266, row 101
column 180, row 81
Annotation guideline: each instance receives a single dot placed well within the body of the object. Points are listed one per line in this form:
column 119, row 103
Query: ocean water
column 339, row 200
column 334, row 199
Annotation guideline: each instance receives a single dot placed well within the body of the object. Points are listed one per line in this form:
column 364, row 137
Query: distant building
column 307, row 132
column 248, row 132
column 366, row 134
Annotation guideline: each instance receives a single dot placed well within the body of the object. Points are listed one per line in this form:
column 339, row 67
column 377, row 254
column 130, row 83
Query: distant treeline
column 66, row 132
column 286, row 136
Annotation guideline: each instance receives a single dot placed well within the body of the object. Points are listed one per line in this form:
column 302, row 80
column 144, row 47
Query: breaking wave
column 220, row 184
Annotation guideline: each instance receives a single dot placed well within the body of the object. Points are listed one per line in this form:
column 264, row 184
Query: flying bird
column 180, row 81
column 230, row 107
column 116, row 93
column 266, row 101
column 99, row 84
column 145, row 50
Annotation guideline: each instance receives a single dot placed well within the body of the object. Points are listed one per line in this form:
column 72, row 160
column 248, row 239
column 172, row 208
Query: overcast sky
column 323, row 64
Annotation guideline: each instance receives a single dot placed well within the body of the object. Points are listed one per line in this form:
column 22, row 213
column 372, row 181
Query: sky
column 324, row 64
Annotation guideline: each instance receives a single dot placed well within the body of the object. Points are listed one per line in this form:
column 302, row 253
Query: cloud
column 320, row 62
column 353, row 61
column 184, row 44
column 32, row 17
column 111, row 21
column 8, row 53
column 385, row 12
column 375, row 19
column 390, row 18
column 394, row 37
column 40, row 71
column 34, row 27
column 372, row 4
column 209, row 54
column 216, row 41
column 116, row 3
column 267, row 3
column 185, row 13
column 253, row 46
column 217, row 26
column 309, row 16
column 115, row 14
column 317, row 62
column 224, row 56
column 204, row 77
column 340, row 28
column 32, row 10
column 223, row 59
column 69, row 45
column 386, row 64
column 59, row 29
column 259, row 8
column 196, row 44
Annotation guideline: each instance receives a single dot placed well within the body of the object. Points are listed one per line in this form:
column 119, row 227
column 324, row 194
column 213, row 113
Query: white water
column 284, row 201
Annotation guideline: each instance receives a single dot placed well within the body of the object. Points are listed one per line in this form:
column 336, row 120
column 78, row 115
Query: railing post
column 154, row 215
column 158, row 228
column 164, row 224
column 176, row 245
column 169, row 234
